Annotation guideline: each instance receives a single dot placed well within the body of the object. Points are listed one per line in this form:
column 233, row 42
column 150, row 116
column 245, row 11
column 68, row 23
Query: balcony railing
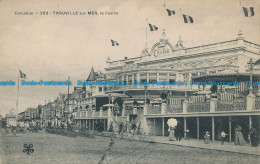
column 91, row 114
column 142, row 87
column 199, row 107
column 154, row 109
column 257, row 103
column 237, row 104
column 176, row 108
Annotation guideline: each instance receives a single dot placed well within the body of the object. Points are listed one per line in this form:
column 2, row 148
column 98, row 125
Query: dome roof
column 257, row 62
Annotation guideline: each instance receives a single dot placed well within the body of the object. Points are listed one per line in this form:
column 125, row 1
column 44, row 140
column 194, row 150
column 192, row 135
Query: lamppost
column 251, row 67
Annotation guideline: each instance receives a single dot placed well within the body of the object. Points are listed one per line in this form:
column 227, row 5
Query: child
column 188, row 134
column 223, row 135
column 206, row 137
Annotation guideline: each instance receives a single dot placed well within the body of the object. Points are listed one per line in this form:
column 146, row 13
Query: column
column 133, row 78
column 163, row 106
column 250, row 101
column 154, row 126
column 185, row 106
column 185, row 127
column 138, row 77
column 250, row 121
column 212, row 105
column 213, row 128
column 147, row 77
column 145, row 108
column 104, row 124
column 163, row 127
column 229, row 128
column 198, row 128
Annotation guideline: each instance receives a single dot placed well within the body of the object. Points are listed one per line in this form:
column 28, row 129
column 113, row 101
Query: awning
column 227, row 76
column 111, row 95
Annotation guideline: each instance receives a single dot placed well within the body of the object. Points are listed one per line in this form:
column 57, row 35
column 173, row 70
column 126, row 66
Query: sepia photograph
column 129, row 81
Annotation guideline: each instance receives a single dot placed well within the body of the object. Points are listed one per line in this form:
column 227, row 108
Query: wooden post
column 250, row 121
column 198, row 128
column 154, row 126
column 229, row 128
column 163, row 127
column 185, row 127
column 213, row 128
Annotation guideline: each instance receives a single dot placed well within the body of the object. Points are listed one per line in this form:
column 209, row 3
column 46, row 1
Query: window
column 100, row 89
column 172, row 77
column 129, row 79
column 152, row 77
column 125, row 78
column 202, row 73
column 143, row 77
column 194, row 74
column 212, row 72
column 162, row 77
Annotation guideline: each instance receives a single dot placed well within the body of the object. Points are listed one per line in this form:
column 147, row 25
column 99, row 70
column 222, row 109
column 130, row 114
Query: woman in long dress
column 253, row 136
column 239, row 139
column 171, row 136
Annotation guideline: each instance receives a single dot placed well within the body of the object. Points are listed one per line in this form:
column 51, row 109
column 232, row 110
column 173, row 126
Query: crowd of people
column 253, row 138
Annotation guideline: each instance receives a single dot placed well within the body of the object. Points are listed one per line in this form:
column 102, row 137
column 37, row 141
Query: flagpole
column 146, row 45
column 17, row 100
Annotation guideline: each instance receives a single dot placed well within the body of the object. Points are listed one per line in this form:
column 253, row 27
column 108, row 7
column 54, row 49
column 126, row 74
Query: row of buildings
column 198, row 107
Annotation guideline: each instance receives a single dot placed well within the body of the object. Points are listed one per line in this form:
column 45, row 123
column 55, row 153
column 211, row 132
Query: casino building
column 200, row 108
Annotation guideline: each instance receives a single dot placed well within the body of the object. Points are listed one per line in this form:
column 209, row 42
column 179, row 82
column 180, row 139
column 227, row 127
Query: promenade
column 52, row 149
column 216, row 145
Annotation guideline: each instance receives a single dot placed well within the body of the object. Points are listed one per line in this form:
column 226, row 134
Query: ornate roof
column 92, row 75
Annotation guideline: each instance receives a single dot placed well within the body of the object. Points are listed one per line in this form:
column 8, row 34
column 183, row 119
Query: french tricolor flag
column 153, row 27
column 187, row 18
column 114, row 43
column 249, row 12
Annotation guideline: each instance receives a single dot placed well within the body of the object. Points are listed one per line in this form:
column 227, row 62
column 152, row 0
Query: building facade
column 200, row 108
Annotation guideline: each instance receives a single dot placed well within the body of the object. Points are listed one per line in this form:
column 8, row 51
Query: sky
column 54, row 47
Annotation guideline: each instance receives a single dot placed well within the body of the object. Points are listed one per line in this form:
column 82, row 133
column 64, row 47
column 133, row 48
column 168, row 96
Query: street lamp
column 251, row 67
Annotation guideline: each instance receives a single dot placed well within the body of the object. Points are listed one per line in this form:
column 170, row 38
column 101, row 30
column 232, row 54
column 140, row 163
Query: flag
column 114, row 43
column 170, row 12
column 153, row 27
column 187, row 19
column 249, row 11
column 22, row 75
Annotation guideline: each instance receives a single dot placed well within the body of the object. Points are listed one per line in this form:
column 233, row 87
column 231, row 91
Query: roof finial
column 164, row 34
column 240, row 35
column 179, row 44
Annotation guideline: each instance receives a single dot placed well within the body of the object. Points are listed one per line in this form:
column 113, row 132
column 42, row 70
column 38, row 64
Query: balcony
column 176, row 108
column 237, row 104
column 257, row 103
column 206, row 106
column 199, row 107
column 149, row 87
column 154, row 109
column 91, row 114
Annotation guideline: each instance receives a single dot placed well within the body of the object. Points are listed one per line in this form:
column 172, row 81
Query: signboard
column 162, row 48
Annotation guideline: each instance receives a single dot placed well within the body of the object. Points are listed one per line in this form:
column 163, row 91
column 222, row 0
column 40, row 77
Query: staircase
column 141, row 123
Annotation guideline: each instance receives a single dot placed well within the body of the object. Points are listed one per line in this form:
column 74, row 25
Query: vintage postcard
column 129, row 81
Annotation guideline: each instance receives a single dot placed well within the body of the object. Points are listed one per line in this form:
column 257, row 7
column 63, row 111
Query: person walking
column 179, row 130
column 223, row 136
column 133, row 128
column 121, row 126
column 253, row 136
column 171, row 130
column 187, row 134
column 239, row 139
column 206, row 137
